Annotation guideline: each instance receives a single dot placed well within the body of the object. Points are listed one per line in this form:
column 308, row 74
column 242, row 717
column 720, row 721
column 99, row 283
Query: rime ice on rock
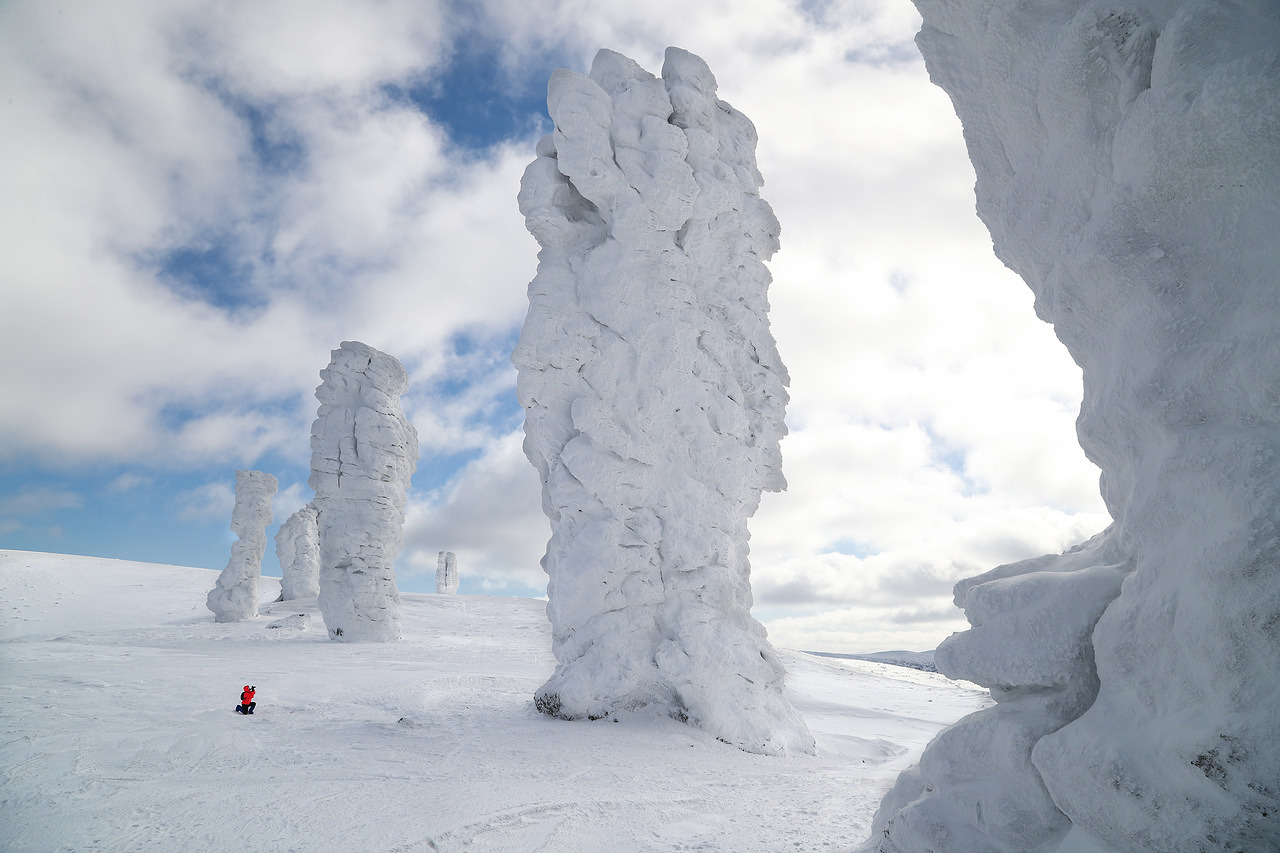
column 235, row 596
column 447, row 580
column 363, row 452
column 298, row 550
column 1128, row 162
column 654, row 399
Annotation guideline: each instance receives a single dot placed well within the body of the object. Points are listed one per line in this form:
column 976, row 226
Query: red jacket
column 247, row 696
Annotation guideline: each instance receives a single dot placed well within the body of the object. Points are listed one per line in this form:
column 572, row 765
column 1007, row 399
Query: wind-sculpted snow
column 298, row 550
column 363, row 452
column 1128, row 162
column 654, row 399
column 447, row 580
column 235, row 596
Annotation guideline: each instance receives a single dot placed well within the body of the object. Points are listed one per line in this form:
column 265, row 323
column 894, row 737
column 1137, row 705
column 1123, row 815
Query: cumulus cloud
column 211, row 196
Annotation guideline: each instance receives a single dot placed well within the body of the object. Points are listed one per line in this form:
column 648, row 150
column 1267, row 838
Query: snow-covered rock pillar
column 447, row 580
column 298, row 550
column 654, row 399
column 1128, row 163
column 363, row 452
column 235, row 596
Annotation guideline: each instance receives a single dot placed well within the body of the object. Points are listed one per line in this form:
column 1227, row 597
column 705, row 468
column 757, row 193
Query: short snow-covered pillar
column 298, row 550
column 363, row 452
column 235, row 596
column 447, row 580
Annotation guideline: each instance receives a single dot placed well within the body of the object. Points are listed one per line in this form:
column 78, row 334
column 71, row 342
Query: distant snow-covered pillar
column 447, row 580
column 298, row 550
column 235, row 596
column 363, row 452
column 654, row 399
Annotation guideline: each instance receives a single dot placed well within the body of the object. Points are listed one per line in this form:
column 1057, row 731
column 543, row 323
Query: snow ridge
column 654, row 399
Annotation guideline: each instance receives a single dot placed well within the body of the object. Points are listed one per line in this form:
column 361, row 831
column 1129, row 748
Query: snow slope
column 118, row 732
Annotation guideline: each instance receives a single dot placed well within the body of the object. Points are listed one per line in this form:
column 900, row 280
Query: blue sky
column 209, row 197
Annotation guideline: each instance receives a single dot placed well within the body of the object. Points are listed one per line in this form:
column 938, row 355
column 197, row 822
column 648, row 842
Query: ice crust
column 234, row 597
column 298, row 550
column 654, row 399
column 447, row 580
column 363, row 453
column 1128, row 162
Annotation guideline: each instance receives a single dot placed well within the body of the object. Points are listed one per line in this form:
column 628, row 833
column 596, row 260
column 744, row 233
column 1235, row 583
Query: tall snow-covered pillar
column 447, row 580
column 363, row 452
column 654, row 399
column 1128, row 164
column 298, row 550
column 235, row 596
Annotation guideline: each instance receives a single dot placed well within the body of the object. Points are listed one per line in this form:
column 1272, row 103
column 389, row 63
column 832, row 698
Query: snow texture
column 235, row 596
column 447, row 580
column 363, row 452
column 654, row 399
column 118, row 734
column 296, row 622
column 298, row 550
column 1128, row 162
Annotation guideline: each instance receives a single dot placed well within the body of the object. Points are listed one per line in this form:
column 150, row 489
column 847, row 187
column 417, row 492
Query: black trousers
column 246, row 709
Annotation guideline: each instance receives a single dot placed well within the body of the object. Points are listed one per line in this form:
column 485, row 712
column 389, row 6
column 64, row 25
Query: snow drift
column 235, row 596
column 363, row 452
column 654, row 399
column 1128, row 162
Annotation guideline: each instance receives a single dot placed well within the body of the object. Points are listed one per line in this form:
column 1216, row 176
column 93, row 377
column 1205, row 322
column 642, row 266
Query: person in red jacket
column 247, row 704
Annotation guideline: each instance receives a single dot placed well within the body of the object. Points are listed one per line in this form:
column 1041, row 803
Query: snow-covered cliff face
column 1128, row 162
column 363, row 452
column 235, row 595
column 298, row 550
column 654, row 399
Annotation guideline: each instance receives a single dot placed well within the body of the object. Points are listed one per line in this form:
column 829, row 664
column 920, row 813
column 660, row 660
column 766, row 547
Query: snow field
column 119, row 733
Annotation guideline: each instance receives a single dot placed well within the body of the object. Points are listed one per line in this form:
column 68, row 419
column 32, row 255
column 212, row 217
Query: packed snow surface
column 363, row 454
column 654, row 399
column 235, row 594
column 1128, row 163
column 119, row 732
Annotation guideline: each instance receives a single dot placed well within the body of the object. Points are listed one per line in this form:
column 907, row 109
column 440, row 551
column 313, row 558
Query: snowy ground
column 118, row 732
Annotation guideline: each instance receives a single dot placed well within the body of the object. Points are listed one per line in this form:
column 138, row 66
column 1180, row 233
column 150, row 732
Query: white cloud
column 207, row 502
column 32, row 501
column 931, row 415
column 490, row 517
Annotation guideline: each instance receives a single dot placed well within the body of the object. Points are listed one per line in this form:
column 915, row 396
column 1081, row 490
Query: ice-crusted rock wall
column 363, row 452
column 298, row 550
column 654, row 399
column 1128, row 162
column 447, row 580
column 235, row 595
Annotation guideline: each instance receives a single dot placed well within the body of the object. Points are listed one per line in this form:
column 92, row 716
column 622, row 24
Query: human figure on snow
column 247, row 704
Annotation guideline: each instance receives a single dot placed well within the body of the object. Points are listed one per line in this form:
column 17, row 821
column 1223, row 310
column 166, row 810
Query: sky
column 203, row 199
